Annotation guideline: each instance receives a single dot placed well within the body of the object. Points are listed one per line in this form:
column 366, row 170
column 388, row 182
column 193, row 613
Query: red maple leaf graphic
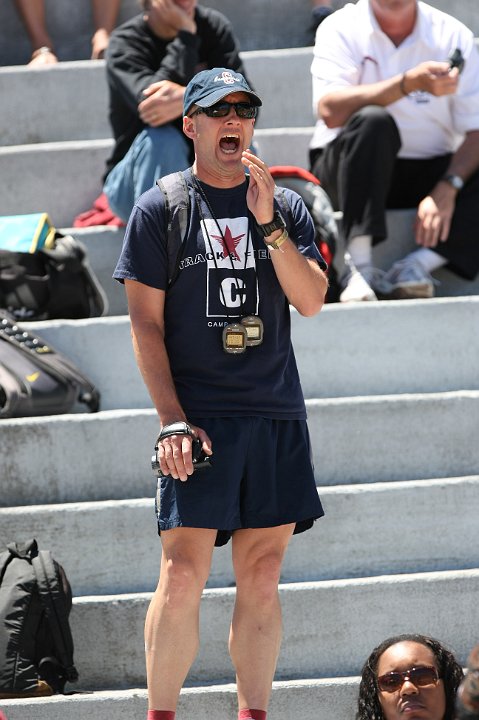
column 228, row 242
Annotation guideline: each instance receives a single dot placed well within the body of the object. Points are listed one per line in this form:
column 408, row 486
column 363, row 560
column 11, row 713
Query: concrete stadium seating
column 392, row 392
column 259, row 24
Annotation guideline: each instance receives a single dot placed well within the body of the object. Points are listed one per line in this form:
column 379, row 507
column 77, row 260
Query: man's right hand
column 174, row 453
column 436, row 78
column 171, row 16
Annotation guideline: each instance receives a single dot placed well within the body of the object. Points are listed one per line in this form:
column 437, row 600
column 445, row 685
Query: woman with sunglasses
column 409, row 676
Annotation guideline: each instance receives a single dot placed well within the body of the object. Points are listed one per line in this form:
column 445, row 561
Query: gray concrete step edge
column 319, row 699
column 264, row 27
column 317, row 617
column 74, row 86
column 256, row 24
column 417, row 535
column 103, row 246
column 107, row 455
column 73, row 170
column 362, row 349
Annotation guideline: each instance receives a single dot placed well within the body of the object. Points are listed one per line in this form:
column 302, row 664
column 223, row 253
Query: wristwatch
column 455, row 180
column 277, row 223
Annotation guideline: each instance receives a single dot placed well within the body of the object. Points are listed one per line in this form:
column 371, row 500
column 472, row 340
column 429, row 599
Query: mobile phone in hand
column 456, row 59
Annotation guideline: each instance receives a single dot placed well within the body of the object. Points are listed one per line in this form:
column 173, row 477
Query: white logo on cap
column 227, row 78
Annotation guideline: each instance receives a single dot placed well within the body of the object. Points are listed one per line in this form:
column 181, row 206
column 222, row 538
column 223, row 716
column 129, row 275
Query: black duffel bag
column 51, row 282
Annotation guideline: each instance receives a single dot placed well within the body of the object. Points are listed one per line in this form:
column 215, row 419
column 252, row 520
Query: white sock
column 428, row 259
column 360, row 250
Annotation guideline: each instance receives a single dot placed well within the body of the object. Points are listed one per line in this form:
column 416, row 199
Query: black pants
column 363, row 176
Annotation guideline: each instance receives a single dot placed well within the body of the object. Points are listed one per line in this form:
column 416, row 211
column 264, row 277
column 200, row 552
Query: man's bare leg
column 172, row 621
column 256, row 628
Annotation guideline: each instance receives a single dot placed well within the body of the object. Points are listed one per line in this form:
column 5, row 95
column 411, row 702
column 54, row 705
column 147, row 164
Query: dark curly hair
column 369, row 707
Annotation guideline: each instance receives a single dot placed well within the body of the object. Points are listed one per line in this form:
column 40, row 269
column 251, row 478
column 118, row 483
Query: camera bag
column 36, row 645
column 35, row 379
column 45, row 274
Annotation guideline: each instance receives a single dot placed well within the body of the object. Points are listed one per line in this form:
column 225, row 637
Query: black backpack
column 177, row 204
column 36, row 646
column 321, row 210
column 35, row 379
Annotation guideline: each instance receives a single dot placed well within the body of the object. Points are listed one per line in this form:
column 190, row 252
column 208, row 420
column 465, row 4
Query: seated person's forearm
column 336, row 108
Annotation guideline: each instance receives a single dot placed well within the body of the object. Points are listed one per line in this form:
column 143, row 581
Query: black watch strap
column 455, row 180
column 176, row 428
column 277, row 223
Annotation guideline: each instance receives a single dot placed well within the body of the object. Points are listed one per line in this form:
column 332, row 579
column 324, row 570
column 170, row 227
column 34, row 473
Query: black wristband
column 176, row 428
column 277, row 223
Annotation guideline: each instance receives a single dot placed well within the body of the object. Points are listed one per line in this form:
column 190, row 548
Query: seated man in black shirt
column 150, row 60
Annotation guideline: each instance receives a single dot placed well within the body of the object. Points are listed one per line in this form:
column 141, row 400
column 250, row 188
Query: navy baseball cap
column 209, row 86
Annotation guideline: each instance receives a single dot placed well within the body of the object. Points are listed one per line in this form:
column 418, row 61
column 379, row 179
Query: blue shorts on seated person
column 261, row 476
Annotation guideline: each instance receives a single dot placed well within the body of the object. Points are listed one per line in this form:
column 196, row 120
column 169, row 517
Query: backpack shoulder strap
column 53, row 601
column 5, row 558
column 177, row 204
column 284, row 207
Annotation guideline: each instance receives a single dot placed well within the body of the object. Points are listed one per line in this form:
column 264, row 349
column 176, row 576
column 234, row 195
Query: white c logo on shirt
column 233, row 291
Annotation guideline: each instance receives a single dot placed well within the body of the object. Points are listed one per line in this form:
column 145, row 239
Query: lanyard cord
column 199, row 191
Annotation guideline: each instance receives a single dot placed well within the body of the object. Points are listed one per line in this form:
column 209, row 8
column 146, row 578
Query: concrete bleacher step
column 74, row 169
column 79, row 93
column 365, row 349
column 265, row 26
column 319, row 699
column 317, row 617
column 407, row 515
column 103, row 246
column 418, row 436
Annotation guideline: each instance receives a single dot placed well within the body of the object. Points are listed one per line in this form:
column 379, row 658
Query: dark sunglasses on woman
column 418, row 676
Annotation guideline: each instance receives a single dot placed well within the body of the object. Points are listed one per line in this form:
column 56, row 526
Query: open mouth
column 230, row 143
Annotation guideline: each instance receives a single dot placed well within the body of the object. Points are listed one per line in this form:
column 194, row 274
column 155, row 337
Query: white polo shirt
column 351, row 49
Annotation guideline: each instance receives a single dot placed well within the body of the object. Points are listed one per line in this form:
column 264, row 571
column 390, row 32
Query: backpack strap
column 53, row 601
column 177, row 206
column 5, row 558
column 283, row 203
column 284, row 207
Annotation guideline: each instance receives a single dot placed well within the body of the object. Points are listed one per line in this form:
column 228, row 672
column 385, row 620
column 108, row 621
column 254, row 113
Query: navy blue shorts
column 261, row 476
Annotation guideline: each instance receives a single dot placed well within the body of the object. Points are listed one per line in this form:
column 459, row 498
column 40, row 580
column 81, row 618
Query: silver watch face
column 456, row 181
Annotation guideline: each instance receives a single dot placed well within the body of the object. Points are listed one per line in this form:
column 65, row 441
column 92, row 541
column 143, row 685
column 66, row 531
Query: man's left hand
column 434, row 215
column 260, row 194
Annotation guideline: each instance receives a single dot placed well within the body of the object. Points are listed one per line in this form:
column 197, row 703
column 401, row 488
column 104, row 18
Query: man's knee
column 376, row 123
column 261, row 575
column 164, row 146
column 182, row 582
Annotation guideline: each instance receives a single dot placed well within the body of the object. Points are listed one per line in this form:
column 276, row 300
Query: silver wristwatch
column 455, row 180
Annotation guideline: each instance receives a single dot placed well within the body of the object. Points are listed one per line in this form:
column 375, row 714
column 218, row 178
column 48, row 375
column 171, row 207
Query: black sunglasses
column 418, row 676
column 222, row 109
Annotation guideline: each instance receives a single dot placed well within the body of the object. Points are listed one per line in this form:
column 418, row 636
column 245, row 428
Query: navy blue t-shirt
column 226, row 273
